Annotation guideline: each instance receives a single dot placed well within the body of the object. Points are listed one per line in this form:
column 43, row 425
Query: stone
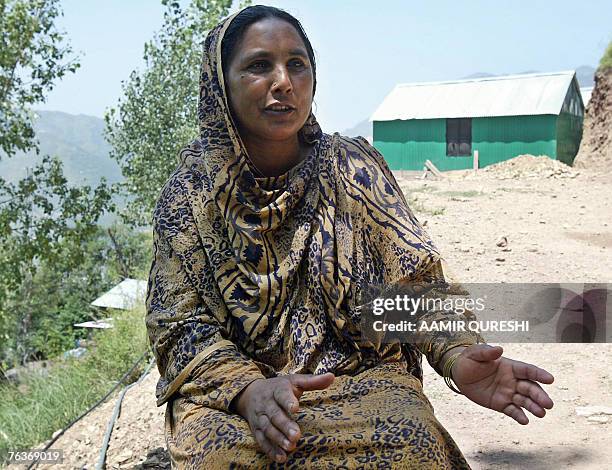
column 598, row 419
column 593, row 410
column 502, row 241
column 125, row 456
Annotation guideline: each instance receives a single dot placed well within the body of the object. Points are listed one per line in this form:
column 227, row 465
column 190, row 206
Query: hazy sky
column 363, row 48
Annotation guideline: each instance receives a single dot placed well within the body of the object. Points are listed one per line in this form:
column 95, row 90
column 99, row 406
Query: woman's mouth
column 279, row 110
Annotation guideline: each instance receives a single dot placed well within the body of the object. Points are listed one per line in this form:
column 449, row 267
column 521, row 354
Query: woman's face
column 269, row 81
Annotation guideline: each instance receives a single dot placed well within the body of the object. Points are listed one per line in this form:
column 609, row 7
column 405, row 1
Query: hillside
column 466, row 225
column 79, row 142
column 596, row 146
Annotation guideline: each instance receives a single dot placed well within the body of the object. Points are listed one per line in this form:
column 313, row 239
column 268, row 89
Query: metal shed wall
column 407, row 144
column 570, row 124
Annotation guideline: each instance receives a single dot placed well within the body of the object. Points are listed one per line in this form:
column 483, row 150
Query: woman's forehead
column 268, row 36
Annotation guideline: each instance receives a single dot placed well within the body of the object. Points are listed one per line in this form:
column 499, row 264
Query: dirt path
column 558, row 230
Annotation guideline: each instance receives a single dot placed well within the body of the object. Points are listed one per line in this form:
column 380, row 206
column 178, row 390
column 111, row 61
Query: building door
column 459, row 137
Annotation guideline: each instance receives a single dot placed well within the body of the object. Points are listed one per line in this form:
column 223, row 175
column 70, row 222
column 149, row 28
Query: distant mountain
column 478, row 75
column 78, row 140
column 363, row 129
column 585, row 74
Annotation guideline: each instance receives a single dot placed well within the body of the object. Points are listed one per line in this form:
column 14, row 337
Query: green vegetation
column 41, row 405
column 437, row 211
column 417, row 205
column 43, row 220
column 37, row 316
column 166, row 94
column 33, row 57
column 470, row 193
column 606, row 59
column 55, row 256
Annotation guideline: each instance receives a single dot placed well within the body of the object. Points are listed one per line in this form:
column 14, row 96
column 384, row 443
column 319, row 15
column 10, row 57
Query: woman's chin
column 279, row 134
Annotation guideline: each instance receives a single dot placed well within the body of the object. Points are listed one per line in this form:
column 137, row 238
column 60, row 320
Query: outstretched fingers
column 529, row 405
column 274, row 434
column 523, row 370
column 286, row 399
column 516, row 413
column 272, row 451
column 535, row 392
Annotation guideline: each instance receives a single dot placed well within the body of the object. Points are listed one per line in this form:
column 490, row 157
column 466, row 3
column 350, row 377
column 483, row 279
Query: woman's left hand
column 502, row 384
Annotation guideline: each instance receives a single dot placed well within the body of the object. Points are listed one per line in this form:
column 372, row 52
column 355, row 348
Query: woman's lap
column 377, row 419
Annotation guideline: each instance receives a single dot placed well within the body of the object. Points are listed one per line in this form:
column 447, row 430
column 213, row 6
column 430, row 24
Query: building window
column 459, row 137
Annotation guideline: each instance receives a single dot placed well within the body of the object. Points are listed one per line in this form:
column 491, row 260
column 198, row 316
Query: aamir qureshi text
column 453, row 325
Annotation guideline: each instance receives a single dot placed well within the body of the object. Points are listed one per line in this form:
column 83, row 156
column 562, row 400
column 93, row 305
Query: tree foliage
column 33, row 55
column 157, row 114
column 44, row 221
column 39, row 212
column 59, row 292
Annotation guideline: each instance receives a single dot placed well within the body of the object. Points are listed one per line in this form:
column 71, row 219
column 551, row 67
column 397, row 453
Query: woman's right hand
column 268, row 404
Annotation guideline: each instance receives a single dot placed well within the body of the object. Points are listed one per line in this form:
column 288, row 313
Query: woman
column 265, row 236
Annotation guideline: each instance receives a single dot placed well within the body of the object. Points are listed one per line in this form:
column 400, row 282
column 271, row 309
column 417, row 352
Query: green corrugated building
column 500, row 117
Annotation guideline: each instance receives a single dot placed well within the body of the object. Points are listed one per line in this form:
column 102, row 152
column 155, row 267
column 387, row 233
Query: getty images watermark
column 542, row 313
column 455, row 307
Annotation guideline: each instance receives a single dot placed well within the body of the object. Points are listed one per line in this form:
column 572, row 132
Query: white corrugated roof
column 125, row 295
column 511, row 95
column 97, row 324
column 586, row 93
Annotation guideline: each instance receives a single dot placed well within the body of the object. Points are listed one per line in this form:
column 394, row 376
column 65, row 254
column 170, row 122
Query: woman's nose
column 281, row 80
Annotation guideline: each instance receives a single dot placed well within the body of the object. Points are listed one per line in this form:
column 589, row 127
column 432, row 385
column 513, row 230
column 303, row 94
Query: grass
column 32, row 412
column 424, row 189
column 471, row 193
column 417, row 206
column 606, row 60
column 437, row 211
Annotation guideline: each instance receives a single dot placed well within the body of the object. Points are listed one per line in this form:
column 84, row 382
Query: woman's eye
column 297, row 63
column 258, row 65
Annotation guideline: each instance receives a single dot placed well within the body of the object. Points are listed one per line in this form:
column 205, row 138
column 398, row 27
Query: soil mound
column 524, row 166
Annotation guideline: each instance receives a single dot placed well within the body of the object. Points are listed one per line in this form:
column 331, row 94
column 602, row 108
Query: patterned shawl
column 268, row 270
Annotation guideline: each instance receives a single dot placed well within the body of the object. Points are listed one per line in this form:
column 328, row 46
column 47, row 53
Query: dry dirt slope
column 559, row 229
column 596, row 145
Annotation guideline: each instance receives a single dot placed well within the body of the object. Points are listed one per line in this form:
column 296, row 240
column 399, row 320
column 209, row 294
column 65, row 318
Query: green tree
column 43, row 222
column 157, row 114
column 33, row 55
column 41, row 212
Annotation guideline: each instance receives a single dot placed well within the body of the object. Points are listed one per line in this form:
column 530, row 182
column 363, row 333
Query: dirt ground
column 558, row 229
